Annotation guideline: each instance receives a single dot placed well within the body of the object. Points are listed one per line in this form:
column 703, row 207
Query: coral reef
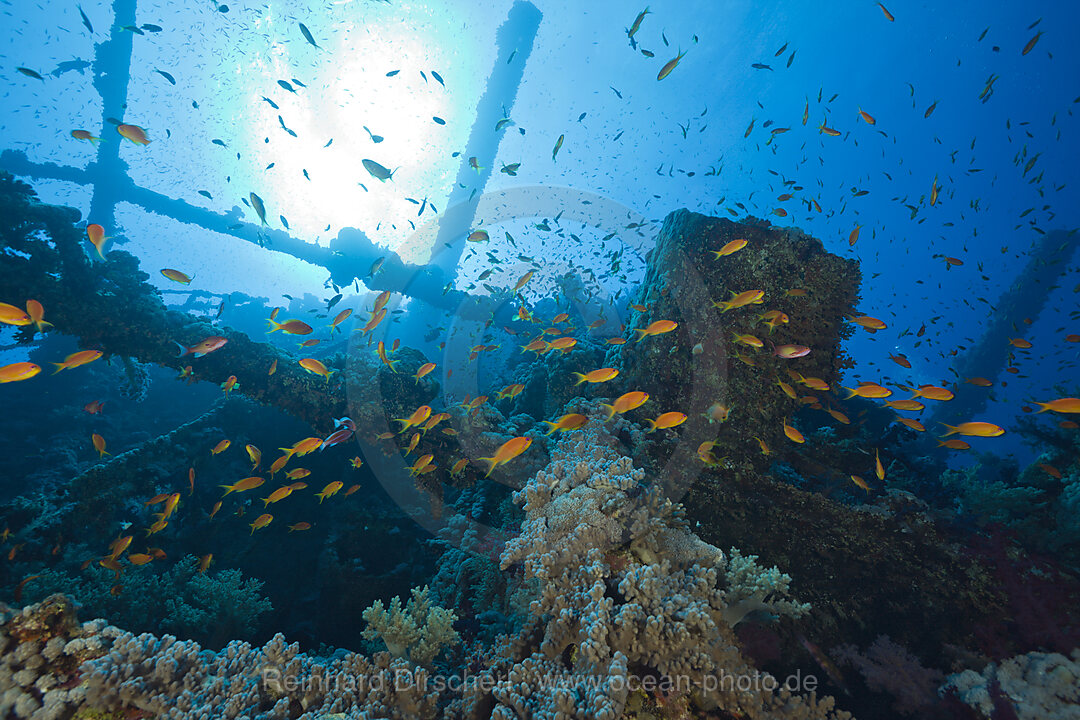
column 1038, row 686
column 211, row 608
column 627, row 591
column 418, row 632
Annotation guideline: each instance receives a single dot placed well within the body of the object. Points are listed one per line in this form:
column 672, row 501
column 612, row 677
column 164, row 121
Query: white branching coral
column 625, row 584
column 417, row 632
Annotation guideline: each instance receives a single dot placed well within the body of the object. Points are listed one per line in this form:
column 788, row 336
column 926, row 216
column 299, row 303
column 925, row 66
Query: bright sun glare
column 347, row 90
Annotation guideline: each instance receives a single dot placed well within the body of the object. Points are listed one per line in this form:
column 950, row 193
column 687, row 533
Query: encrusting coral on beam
column 109, row 305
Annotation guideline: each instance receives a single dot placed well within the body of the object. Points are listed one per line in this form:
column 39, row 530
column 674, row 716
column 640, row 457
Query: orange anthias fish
column 381, row 350
column 793, row 434
column 376, row 317
column 666, row 420
column 869, row 323
column 748, row 297
column 879, row 469
column 423, row 370
column 99, row 445
column 854, row 236
column 37, row 315
column 730, row 248
column 291, row 327
column 565, row 344
column 419, row 415
column 567, row 422
column 16, row 372
column 94, row 408
column 221, row 447
column 230, row 384
column 911, row 423
column 933, row 392
column 1062, row 405
column 330, row 490
column 954, row 444
column 314, row 366
column 507, row 452
column 134, row 133
column 669, row 66
column 280, row 494
column 249, row 483
column 205, row 347
column 869, row 390
column 78, row 359
column 657, row 328
column 97, row 237
column 596, row 376
column 85, row 135
column 974, row 429
column 11, row 315
column 341, row 317
column 303, row 447
column 176, row 276
column 888, row 15
column 510, row 391
column 626, row 403
column 261, row 522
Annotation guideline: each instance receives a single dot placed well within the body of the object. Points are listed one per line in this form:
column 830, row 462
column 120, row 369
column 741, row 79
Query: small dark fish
column 392, row 73
column 307, row 35
column 1031, row 43
column 618, row 136
column 85, row 20
column 761, row 66
column 930, row 110
column 422, row 206
column 647, row 53
column 269, row 166
column 133, row 28
column 511, row 57
column 982, row 34
column 423, row 75
column 283, row 220
column 206, row 195
column 664, row 38
column 298, row 83
column 306, row 176
column 617, row 93
column 438, row 77
column 69, row 65
column 287, row 86
column 377, row 171
column 792, row 58
column 218, row 141
column 221, row 308
column 781, row 50
column 438, row 120
column 194, row 104
column 328, row 143
column 30, row 73
column 167, row 76
column 558, row 144
column 271, row 103
column 374, row 138
column 150, row 27
column 581, row 117
column 334, row 301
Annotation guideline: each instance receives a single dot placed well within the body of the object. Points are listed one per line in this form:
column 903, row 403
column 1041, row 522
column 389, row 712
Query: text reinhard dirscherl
column 412, row 680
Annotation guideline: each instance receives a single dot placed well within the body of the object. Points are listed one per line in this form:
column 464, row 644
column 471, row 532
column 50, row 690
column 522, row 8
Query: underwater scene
column 539, row 360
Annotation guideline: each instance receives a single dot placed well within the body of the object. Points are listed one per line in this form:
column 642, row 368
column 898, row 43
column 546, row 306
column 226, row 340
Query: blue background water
column 580, row 62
